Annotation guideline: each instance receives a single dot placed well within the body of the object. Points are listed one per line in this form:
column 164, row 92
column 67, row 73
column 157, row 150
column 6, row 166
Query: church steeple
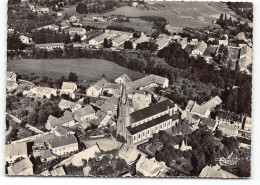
column 123, row 120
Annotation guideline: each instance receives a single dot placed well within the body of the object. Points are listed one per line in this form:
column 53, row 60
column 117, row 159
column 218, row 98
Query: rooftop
column 68, row 85
column 162, row 42
column 63, row 141
column 201, row 46
column 60, row 121
column 102, row 37
column 20, row 166
column 16, row 149
column 84, row 111
column 121, row 38
column 99, row 84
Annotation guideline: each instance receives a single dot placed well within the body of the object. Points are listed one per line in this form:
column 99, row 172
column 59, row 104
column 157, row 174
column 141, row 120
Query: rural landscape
column 125, row 88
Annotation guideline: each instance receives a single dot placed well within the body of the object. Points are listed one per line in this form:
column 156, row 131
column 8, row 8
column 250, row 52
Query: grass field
column 86, row 69
column 180, row 14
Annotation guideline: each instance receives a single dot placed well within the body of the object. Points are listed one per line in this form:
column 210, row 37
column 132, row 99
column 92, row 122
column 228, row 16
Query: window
column 134, row 138
column 143, row 133
column 147, row 131
column 161, row 126
column 139, row 136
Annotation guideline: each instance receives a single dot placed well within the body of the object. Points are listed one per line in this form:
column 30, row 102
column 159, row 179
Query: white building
column 50, row 46
column 96, row 89
column 21, row 168
column 99, row 39
column 64, row 144
column 65, row 104
column 199, row 48
column 24, row 39
column 41, row 92
column 124, row 79
column 163, row 42
column 121, row 39
column 85, row 114
column 15, row 151
column 68, row 88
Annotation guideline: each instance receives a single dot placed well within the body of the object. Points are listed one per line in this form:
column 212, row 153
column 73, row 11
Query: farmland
column 86, row 69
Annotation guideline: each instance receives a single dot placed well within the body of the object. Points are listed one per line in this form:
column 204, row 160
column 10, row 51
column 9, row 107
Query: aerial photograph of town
column 128, row 88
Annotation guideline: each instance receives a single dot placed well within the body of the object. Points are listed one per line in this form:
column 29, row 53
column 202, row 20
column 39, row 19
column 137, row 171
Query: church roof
column 150, row 111
column 144, row 126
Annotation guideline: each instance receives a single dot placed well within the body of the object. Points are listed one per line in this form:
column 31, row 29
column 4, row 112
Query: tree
column 77, row 38
column 219, row 134
column 244, row 168
column 158, row 156
column 31, row 118
column 72, row 77
column 128, row 45
column 42, row 117
column 107, row 43
column 81, row 8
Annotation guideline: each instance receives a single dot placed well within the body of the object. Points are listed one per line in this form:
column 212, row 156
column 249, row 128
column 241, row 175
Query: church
column 140, row 125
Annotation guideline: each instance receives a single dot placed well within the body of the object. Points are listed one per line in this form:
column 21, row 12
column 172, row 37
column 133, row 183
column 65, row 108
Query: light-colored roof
column 16, row 149
column 20, row 166
column 45, row 173
column 50, row 44
column 99, row 84
column 149, row 167
column 146, row 81
column 63, row 141
column 84, row 112
column 9, row 74
column 58, row 172
column 102, row 37
column 112, row 86
column 67, row 104
column 68, row 85
column 142, row 39
column 75, row 29
column 228, row 127
column 162, row 42
column 215, row 172
column 60, row 121
column 201, row 46
column 126, row 78
column 128, row 153
column 121, row 38
column 45, row 90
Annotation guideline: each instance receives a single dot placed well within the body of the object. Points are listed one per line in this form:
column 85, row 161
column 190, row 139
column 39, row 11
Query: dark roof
column 209, row 122
column 210, row 50
column 150, row 111
column 139, row 128
column 63, row 141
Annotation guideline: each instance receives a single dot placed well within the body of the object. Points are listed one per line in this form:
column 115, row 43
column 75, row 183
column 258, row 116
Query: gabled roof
column 102, row 37
column 208, row 122
column 45, row 90
column 151, row 111
column 149, row 167
column 112, row 86
column 227, row 127
column 84, row 111
column 67, row 104
column 149, row 124
column 20, row 166
column 215, row 172
column 162, row 42
column 9, row 74
column 126, row 78
column 16, row 149
column 68, row 85
column 201, row 46
column 211, row 50
column 63, row 141
column 142, row 39
column 60, row 121
column 121, row 38
column 99, row 84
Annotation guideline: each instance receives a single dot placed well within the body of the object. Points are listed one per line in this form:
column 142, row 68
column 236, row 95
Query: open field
column 86, row 69
column 180, row 14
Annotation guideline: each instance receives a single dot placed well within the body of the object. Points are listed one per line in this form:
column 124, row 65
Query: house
column 204, row 109
column 246, row 55
column 47, row 156
column 229, row 118
column 215, row 172
column 148, row 167
column 224, row 42
column 112, row 89
column 23, row 167
column 128, row 153
column 210, row 123
column 85, row 114
column 11, row 85
column 141, row 100
column 241, row 36
column 162, row 42
column 65, row 104
column 121, row 39
column 96, row 89
column 15, row 151
column 59, row 14
column 50, row 46
column 135, row 4
column 42, row 92
column 102, row 119
column 24, row 39
column 53, row 122
column 45, row 173
column 228, row 130
column 142, row 39
column 148, row 82
column 124, row 79
column 79, row 31
column 52, row 27
column 210, row 53
column 194, row 42
column 100, row 39
column 183, row 42
column 73, row 18
column 61, row 131
column 199, row 49
column 61, row 145
column 247, row 124
column 43, row 10
column 10, row 76
column 68, row 88
column 109, row 108
column 58, row 172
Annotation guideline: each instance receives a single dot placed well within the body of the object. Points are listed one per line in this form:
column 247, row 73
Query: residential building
column 79, row 31
column 96, row 89
column 163, row 42
column 183, row 42
column 223, row 42
column 140, row 40
column 215, row 172
column 128, row 153
column 204, row 109
column 68, row 105
column 24, row 39
column 64, row 144
column 228, row 130
column 121, row 39
column 210, row 123
column 246, row 55
column 247, row 124
column 50, row 46
column 199, row 49
column 21, row 168
column 58, row 172
column 124, row 79
column 148, row 167
column 148, row 82
column 135, row 4
column 102, row 119
column 100, row 39
column 85, row 114
column 141, row 100
column 10, row 76
column 43, row 10
column 41, row 92
column 112, row 89
column 68, row 88
column 59, row 14
column 229, row 118
column 52, row 27
column 194, row 42
column 61, row 131
column 11, row 85
column 53, row 122
column 15, row 151
column 209, row 53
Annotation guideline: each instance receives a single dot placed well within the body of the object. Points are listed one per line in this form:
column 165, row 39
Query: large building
column 140, row 125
